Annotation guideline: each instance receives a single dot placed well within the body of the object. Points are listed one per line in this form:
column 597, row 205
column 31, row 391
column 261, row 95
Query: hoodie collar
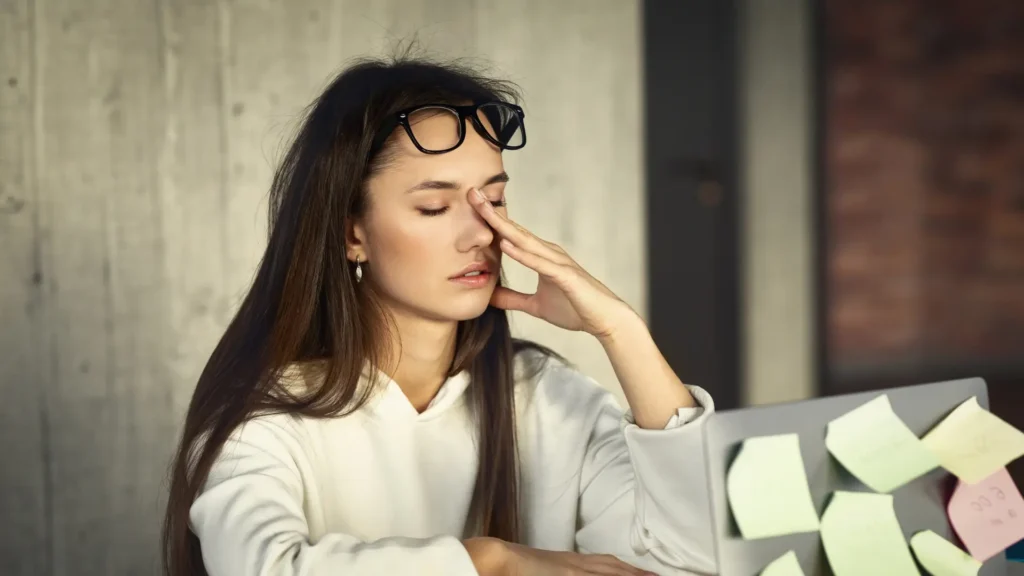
column 391, row 402
column 388, row 400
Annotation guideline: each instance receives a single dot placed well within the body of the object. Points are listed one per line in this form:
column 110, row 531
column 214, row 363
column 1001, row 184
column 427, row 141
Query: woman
column 367, row 411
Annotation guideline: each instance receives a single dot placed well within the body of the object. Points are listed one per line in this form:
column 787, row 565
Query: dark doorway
column 692, row 202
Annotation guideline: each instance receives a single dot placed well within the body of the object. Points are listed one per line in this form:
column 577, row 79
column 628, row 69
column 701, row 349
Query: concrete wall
column 776, row 118
column 137, row 139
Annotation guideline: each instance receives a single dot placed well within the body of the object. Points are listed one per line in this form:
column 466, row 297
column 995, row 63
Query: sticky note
column 973, row 443
column 785, row 565
column 877, row 447
column 940, row 557
column 987, row 516
column 767, row 488
column 861, row 535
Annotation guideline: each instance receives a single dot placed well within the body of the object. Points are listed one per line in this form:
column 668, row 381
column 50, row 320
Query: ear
column 355, row 240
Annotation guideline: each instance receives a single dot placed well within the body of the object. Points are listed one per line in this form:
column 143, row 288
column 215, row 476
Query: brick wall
column 924, row 168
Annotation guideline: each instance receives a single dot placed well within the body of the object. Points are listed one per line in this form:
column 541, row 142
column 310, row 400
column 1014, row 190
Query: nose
column 473, row 231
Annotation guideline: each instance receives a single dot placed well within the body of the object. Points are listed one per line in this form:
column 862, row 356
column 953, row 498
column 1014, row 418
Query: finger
column 611, row 570
column 619, row 570
column 615, row 570
column 611, row 565
column 553, row 251
column 538, row 264
column 508, row 299
column 508, row 229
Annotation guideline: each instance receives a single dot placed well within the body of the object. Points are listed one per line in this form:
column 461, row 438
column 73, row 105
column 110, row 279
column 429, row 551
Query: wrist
column 489, row 555
column 625, row 328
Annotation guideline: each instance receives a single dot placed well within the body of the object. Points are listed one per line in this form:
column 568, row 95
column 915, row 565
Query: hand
column 524, row 561
column 567, row 296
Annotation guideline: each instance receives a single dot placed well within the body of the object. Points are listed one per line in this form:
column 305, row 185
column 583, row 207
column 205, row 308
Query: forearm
column 651, row 387
column 487, row 554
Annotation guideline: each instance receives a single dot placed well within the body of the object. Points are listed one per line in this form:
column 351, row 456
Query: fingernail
column 479, row 195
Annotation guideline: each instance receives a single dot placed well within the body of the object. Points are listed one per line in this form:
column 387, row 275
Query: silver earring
column 359, row 270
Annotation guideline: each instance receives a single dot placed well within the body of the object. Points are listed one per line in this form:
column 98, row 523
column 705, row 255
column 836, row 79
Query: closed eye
column 439, row 211
column 433, row 212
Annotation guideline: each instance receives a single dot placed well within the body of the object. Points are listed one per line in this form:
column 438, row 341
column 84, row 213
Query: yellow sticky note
column 785, row 565
column 940, row 557
column 861, row 535
column 877, row 447
column 973, row 443
column 767, row 488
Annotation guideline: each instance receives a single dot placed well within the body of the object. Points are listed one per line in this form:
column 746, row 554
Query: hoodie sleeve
column 643, row 493
column 249, row 519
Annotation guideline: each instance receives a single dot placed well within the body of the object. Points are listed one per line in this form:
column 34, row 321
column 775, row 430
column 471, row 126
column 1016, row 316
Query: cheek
column 405, row 244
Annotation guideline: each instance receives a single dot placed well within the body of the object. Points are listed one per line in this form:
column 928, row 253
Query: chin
column 443, row 305
column 466, row 306
column 468, row 311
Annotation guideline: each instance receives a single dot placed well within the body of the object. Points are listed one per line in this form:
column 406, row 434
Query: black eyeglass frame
column 401, row 118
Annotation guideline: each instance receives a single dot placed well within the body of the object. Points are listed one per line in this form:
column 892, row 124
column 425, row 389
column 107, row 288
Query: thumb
column 509, row 299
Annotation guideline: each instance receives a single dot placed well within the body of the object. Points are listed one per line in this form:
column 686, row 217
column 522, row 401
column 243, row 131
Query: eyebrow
column 449, row 185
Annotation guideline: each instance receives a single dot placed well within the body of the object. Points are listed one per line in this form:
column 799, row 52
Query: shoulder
column 550, row 384
column 277, row 433
column 279, row 436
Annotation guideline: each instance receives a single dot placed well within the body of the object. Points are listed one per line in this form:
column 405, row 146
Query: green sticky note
column 861, row 535
column 767, row 488
column 940, row 557
column 877, row 447
column 785, row 565
column 973, row 443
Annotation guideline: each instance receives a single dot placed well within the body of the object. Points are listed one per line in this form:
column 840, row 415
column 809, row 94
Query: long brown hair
column 304, row 305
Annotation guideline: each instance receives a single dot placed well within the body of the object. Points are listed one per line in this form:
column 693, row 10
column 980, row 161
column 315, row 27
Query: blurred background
column 802, row 198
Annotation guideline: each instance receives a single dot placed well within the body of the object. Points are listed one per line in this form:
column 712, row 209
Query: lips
column 473, row 270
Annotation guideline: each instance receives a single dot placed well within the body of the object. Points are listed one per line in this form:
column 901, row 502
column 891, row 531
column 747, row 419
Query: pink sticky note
column 987, row 516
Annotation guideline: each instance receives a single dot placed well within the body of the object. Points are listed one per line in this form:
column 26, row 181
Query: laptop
column 920, row 504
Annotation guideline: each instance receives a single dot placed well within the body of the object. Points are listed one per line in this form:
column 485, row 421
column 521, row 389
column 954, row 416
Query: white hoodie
column 386, row 490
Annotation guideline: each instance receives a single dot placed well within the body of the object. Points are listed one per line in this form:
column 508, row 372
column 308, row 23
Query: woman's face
column 420, row 235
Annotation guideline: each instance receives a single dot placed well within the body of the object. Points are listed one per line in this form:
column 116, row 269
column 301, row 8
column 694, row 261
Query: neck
column 423, row 353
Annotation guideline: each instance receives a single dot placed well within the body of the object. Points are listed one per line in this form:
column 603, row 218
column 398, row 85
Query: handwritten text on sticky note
column 767, row 488
column 861, row 535
column 987, row 516
column 973, row 443
column 877, row 447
